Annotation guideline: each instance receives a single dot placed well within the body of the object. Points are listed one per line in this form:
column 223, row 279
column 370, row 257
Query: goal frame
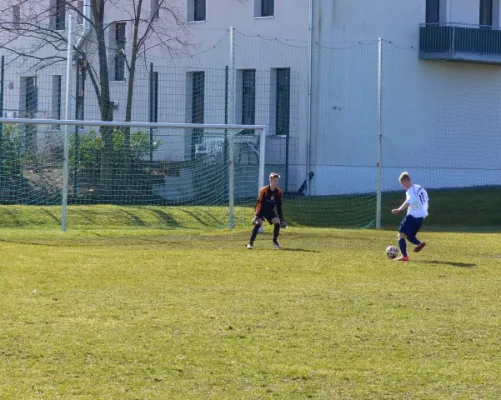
column 65, row 123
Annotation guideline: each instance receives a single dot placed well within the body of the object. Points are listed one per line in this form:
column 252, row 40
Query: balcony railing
column 460, row 43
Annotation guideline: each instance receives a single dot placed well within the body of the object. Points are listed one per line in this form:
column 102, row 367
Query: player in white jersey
column 416, row 203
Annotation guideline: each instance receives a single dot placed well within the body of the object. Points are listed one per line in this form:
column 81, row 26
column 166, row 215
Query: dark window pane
column 197, row 108
column 432, row 11
column 199, row 10
column 60, row 14
column 120, row 41
column 283, row 101
column 267, row 8
column 485, row 19
column 248, row 97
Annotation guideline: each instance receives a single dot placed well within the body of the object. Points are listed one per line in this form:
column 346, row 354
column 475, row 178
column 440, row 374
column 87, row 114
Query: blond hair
column 274, row 175
column 404, row 175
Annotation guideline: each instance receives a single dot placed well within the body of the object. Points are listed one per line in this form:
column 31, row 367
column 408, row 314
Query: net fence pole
column 309, row 122
column 2, row 86
column 67, row 110
column 262, row 149
column 231, row 141
column 379, row 130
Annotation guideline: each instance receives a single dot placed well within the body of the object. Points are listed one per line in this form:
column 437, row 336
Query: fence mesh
column 437, row 122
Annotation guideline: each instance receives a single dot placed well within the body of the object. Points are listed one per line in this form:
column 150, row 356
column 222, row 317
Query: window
column 486, row 11
column 197, row 108
column 267, row 8
column 29, row 96
column 196, row 10
column 58, row 14
column 16, row 15
column 154, row 96
column 432, row 11
column 154, row 9
column 80, row 93
column 282, row 111
column 119, row 61
column 56, row 99
column 248, row 96
column 29, row 107
column 264, row 8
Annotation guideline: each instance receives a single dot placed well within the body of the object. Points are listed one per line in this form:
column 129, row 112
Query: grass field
column 174, row 314
column 114, row 309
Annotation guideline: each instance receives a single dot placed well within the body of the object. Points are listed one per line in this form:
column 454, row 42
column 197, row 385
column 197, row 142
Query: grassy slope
column 451, row 209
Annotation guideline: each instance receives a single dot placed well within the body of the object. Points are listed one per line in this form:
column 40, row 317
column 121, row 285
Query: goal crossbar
column 132, row 124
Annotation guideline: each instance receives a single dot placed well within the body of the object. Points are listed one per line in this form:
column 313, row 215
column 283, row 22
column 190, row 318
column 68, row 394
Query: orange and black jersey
column 267, row 200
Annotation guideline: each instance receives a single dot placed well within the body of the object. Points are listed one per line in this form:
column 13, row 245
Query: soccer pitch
column 192, row 314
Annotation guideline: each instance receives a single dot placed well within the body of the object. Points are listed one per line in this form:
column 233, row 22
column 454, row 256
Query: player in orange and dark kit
column 269, row 197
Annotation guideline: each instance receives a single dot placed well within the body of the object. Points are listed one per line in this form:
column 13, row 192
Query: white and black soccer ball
column 391, row 252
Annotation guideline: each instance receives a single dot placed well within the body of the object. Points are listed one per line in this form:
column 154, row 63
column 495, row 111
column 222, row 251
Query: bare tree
column 34, row 31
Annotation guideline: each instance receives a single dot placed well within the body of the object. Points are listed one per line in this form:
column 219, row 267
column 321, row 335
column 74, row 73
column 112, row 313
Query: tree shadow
column 450, row 263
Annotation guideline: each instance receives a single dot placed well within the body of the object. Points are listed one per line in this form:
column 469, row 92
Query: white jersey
column 417, row 198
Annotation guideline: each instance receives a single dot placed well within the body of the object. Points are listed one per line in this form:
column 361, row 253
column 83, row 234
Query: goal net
column 134, row 174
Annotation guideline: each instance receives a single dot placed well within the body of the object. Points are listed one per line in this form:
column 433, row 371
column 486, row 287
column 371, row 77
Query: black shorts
column 268, row 216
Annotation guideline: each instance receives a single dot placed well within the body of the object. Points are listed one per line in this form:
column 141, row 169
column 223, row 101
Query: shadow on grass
column 165, row 217
column 299, row 250
column 195, row 217
column 450, row 263
column 52, row 216
column 134, row 219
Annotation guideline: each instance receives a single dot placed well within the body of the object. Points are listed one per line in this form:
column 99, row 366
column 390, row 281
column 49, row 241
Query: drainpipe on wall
column 86, row 26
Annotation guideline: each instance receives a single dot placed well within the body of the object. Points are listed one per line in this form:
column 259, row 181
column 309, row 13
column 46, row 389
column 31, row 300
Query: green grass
column 173, row 314
column 157, row 302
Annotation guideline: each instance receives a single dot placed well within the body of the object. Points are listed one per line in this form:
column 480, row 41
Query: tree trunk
column 106, row 109
column 130, row 91
column 128, row 114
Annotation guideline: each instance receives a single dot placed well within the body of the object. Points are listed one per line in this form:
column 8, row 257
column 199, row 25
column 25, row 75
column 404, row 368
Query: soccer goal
column 207, row 173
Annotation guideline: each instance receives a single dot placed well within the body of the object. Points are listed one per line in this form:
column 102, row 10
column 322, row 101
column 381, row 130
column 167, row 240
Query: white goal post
column 221, row 141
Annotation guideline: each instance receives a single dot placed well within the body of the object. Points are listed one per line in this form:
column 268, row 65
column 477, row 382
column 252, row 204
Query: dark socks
column 276, row 232
column 413, row 240
column 403, row 246
column 254, row 233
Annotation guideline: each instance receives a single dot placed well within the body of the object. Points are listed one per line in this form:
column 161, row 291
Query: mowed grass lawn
column 194, row 315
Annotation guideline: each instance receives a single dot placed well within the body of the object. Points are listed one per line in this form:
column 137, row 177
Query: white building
column 439, row 91
column 423, row 98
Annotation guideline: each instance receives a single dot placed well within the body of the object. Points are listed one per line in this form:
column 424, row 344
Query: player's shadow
column 450, row 263
column 300, row 250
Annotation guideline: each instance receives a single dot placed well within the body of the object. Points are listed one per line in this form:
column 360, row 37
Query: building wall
column 438, row 119
column 282, row 43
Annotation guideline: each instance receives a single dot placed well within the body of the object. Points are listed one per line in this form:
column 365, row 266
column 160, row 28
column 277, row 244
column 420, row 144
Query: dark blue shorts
column 411, row 225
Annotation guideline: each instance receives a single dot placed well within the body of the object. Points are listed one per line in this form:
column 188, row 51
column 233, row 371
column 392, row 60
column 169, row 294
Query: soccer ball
column 391, row 251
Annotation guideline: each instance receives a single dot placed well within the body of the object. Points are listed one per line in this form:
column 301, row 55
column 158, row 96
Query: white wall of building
column 439, row 119
column 282, row 43
column 436, row 116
